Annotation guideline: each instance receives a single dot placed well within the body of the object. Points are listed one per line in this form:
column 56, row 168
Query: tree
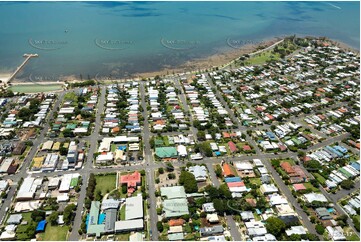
column 212, row 192
column 53, row 218
column 275, row 226
column 224, row 191
column 169, row 167
column 63, row 151
column 313, row 165
column 295, row 237
column 68, row 214
column 218, row 171
column 124, row 189
column 160, row 226
column 98, row 195
column 320, row 229
column 347, row 184
column 31, row 230
column 219, row 206
column 160, row 170
column 68, row 133
column 201, row 135
column 38, row 215
column 171, row 176
column 189, row 182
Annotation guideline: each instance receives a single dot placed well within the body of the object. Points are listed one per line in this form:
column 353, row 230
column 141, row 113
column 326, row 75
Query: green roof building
column 71, row 126
column 166, row 152
column 175, row 207
column 93, row 227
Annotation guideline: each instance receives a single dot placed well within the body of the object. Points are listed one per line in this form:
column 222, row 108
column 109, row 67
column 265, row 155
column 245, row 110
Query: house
column 268, row 189
column 182, row 150
column 323, row 214
column 310, row 197
column 255, row 228
column 295, row 230
column 131, row 180
column 15, row 219
column 336, row 233
column 232, row 147
column 19, row 148
column 247, row 216
column 299, row 187
column 175, row 207
column 208, row 208
column 212, row 218
column 245, row 168
column 208, row 231
column 227, row 171
column 176, row 222
column 199, row 172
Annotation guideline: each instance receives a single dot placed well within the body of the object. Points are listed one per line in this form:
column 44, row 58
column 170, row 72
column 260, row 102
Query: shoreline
column 221, row 59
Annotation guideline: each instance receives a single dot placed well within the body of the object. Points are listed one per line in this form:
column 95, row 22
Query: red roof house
column 132, row 181
column 232, row 146
column 227, row 171
column 299, row 187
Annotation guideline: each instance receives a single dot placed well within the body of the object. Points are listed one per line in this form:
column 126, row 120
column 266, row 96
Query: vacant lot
column 105, row 183
column 55, row 233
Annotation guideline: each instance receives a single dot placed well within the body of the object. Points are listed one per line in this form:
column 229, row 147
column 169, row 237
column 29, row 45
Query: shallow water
column 121, row 38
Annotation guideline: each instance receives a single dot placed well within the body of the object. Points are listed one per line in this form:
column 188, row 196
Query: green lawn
column 71, row 96
column 21, row 230
column 309, row 185
column 122, row 237
column 261, row 58
column 105, row 183
column 319, row 178
column 122, row 212
column 32, row 88
column 256, row 181
column 350, row 234
column 55, row 233
column 113, row 147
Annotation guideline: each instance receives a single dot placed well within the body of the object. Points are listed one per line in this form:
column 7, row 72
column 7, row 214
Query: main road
column 74, row 236
column 153, row 217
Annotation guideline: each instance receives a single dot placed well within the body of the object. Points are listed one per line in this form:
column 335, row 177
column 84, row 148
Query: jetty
column 18, row 69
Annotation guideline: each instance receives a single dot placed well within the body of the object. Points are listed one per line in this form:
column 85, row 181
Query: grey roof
column 175, row 236
column 15, row 219
column 110, row 218
column 110, row 203
column 218, row 229
column 322, row 212
column 208, row 207
column 175, row 207
column 247, row 215
column 133, row 208
column 198, row 171
column 128, row 225
column 296, row 230
column 173, row 192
